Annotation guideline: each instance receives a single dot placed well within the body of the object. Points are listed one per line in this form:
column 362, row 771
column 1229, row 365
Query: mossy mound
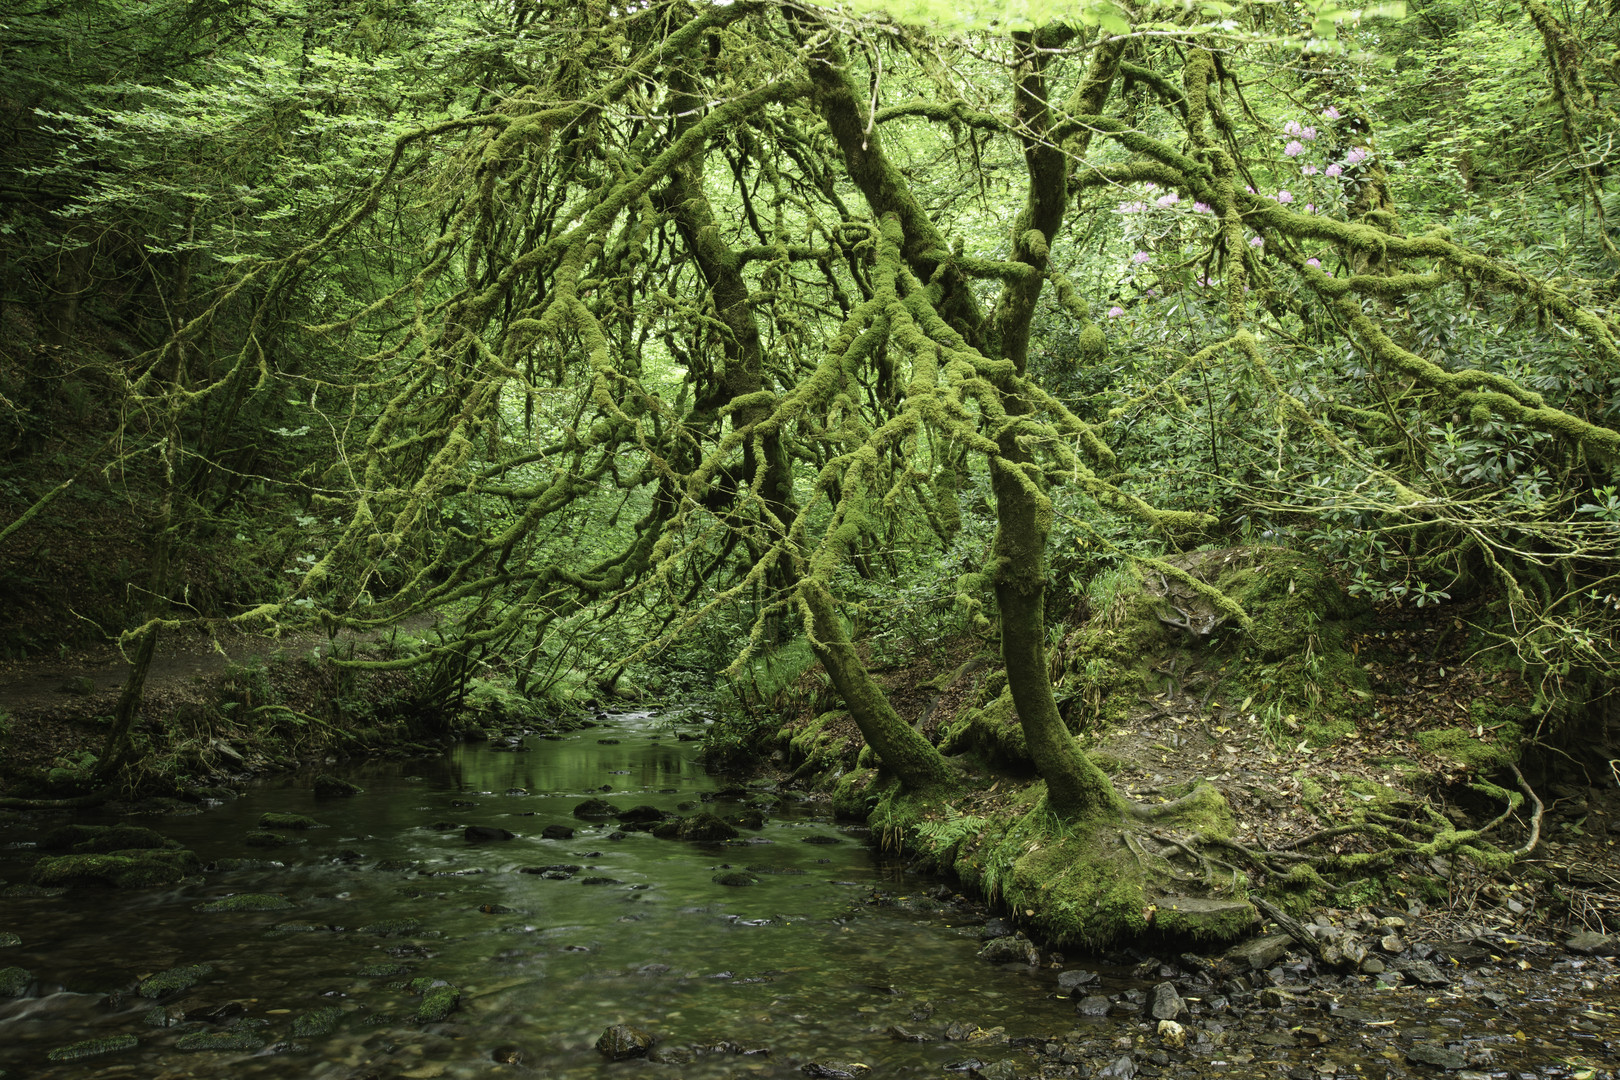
column 100, row 839
column 89, row 1048
column 1472, row 750
column 818, row 745
column 139, row 868
column 247, row 902
column 288, row 821
column 993, row 734
column 173, row 980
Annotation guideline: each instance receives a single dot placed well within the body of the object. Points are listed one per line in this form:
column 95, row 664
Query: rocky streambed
column 598, row 905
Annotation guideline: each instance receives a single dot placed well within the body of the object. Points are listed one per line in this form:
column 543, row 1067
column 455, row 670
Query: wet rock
column 1372, row 966
column 247, row 902
column 1123, row 1068
column 239, row 1041
column 965, row 1065
column 556, row 832
column 994, row 928
column 8, row 940
column 317, row 1024
column 735, row 878
column 641, row 815
column 1392, row 944
column 1312, row 1036
column 554, row 872
column 1259, row 953
column 328, row 786
column 621, row 1042
column 595, row 809
column 706, row 828
column 1010, row 950
column 384, row 970
column 998, row 1070
column 1172, row 1034
column 1165, row 1004
column 478, row 834
column 173, row 980
column 14, row 982
column 1273, row 997
column 131, row 869
column 834, row 1072
column 288, row 821
column 600, row 881
column 89, row 1048
column 1422, row 972
column 269, row 839
column 820, row 838
column 439, row 1000
column 1094, row 1005
column 1075, row 978
column 507, row 1055
column 1436, row 1055
column 1590, row 944
column 900, row 1034
column 747, row 819
column 1495, row 999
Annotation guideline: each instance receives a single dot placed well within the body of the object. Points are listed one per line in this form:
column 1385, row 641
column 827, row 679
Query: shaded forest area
column 1047, row 433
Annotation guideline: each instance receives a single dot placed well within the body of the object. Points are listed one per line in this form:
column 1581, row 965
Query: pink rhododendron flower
column 1291, row 128
column 1165, row 202
column 1115, row 312
column 1334, row 169
column 1310, row 208
column 1285, row 196
column 1132, row 207
column 1307, row 133
column 1355, row 157
column 1249, row 189
column 1202, row 208
column 1294, row 148
column 1258, row 241
column 1314, row 262
column 1141, row 257
column 1151, row 186
column 1331, row 113
column 1308, row 170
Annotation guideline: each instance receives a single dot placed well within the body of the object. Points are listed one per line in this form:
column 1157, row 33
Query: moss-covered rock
column 317, row 1024
column 14, row 982
column 247, row 902
column 139, row 868
column 393, row 928
column 8, row 940
column 328, row 786
column 266, row 839
column 438, row 1002
column 288, row 821
column 92, row 839
column 90, row 1048
column 173, row 980
column 234, row 1041
column 734, row 878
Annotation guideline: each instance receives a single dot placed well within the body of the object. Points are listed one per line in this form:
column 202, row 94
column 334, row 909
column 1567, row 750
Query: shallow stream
column 815, row 961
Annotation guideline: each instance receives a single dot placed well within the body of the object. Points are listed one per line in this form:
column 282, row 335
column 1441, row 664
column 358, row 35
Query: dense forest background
column 649, row 343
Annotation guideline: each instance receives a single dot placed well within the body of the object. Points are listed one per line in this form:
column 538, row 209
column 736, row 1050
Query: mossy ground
column 1321, row 713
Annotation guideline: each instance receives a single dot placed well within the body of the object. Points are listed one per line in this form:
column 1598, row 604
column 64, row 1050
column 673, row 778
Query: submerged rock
column 641, row 815
column 706, row 828
column 247, row 902
column 1438, row 1056
column 90, row 1048
column 1016, row 949
column 269, row 839
column 621, row 1042
column 556, row 832
column 392, row 928
column 328, row 786
column 480, row 833
column 288, row 821
column 173, row 980
column 734, row 878
column 14, row 982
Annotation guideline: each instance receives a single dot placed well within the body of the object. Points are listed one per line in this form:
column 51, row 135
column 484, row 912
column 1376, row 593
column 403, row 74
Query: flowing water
column 798, row 963
column 814, row 962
